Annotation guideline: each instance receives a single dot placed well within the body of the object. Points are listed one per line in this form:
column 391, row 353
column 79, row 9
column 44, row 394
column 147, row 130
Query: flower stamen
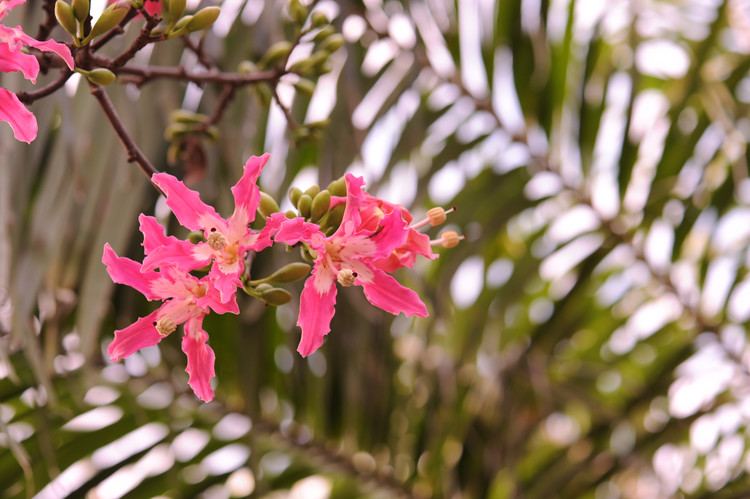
column 346, row 277
column 448, row 239
column 165, row 326
column 216, row 241
column 435, row 217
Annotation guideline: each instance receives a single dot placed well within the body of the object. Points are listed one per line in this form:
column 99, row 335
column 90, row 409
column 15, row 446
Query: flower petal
column 187, row 206
column 200, row 360
column 15, row 60
column 406, row 254
column 225, row 284
column 182, row 254
column 383, row 291
column 126, row 271
column 292, row 231
column 392, row 235
column 20, row 119
column 50, row 46
column 7, row 5
column 354, row 195
column 246, row 197
column 140, row 334
column 316, row 310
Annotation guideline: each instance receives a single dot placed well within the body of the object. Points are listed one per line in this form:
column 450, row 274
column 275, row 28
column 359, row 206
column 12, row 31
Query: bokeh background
column 587, row 339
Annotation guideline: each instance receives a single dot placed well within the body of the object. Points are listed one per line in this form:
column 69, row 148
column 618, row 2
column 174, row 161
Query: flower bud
column 110, row 18
column 203, row 19
column 337, row 187
column 324, row 33
column 180, row 26
column 276, row 296
column 304, row 205
column 183, row 116
column 313, row 190
column 174, row 9
column 290, row 273
column 334, row 217
column 175, row 130
column 320, row 204
column 246, row 67
column 196, row 237
column 159, row 30
column 81, row 9
column 268, row 205
column 297, row 11
column 65, row 16
column 318, row 19
column 305, row 86
column 290, row 214
column 294, row 195
column 275, row 53
column 333, row 43
column 101, row 76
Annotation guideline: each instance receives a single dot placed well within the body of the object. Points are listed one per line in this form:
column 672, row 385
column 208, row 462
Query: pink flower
column 187, row 299
column 227, row 241
column 348, row 256
column 12, row 40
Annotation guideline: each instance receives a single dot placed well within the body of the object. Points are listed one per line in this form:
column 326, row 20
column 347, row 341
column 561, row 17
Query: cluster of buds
column 351, row 237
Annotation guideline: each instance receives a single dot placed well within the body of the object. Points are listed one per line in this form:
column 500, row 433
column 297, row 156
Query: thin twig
column 144, row 38
column 134, row 153
column 49, row 21
column 143, row 74
column 287, row 114
column 50, row 88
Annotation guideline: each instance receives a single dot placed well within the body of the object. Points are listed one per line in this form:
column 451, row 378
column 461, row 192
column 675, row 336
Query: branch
column 49, row 22
column 29, row 97
column 144, row 38
column 134, row 154
column 143, row 74
column 118, row 30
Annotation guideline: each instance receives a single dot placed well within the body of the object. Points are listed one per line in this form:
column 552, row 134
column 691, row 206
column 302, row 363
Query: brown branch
column 197, row 49
column 49, row 21
column 134, row 153
column 143, row 74
column 224, row 99
column 29, row 97
column 144, row 38
column 287, row 114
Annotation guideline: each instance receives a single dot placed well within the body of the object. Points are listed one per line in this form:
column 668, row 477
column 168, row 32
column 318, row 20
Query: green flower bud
column 110, row 18
column 276, row 296
column 294, row 195
column 101, row 76
column 175, row 130
column 174, row 9
column 213, row 133
column 247, row 67
column 196, row 237
column 183, row 116
column 81, row 9
column 318, row 19
column 290, row 214
column 180, row 26
column 305, row 87
column 203, row 19
column 304, row 204
column 333, row 43
column 275, row 53
column 334, row 217
column 323, row 34
column 65, row 16
column 268, row 205
column 263, row 287
column 337, row 187
column 290, row 273
column 320, row 204
column 313, row 190
column 297, row 11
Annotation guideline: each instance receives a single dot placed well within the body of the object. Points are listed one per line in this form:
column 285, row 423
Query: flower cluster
column 12, row 40
column 371, row 239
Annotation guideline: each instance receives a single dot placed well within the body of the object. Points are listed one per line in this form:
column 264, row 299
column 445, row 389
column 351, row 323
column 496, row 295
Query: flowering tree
column 575, row 326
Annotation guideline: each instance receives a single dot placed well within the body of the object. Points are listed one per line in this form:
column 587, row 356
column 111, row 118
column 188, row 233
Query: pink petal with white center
column 392, row 235
column 141, row 334
column 7, row 5
column 385, row 292
column 182, row 254
column 225, row 283
column 14, row 60
column 187, row 206
column 181, row 309
column 295, row 230
column 246, row 197
column 316, row 310
column 200, row 360
column 213, row 298
column 354, row 196
column 126, row 271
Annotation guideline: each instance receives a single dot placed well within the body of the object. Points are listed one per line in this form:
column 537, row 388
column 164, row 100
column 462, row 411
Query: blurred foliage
column 587, row 339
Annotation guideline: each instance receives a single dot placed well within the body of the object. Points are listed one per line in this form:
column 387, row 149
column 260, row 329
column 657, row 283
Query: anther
column 346, row 277
column 448, row 239
column 216, row 240
column 435, row 216
column 165, row 326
